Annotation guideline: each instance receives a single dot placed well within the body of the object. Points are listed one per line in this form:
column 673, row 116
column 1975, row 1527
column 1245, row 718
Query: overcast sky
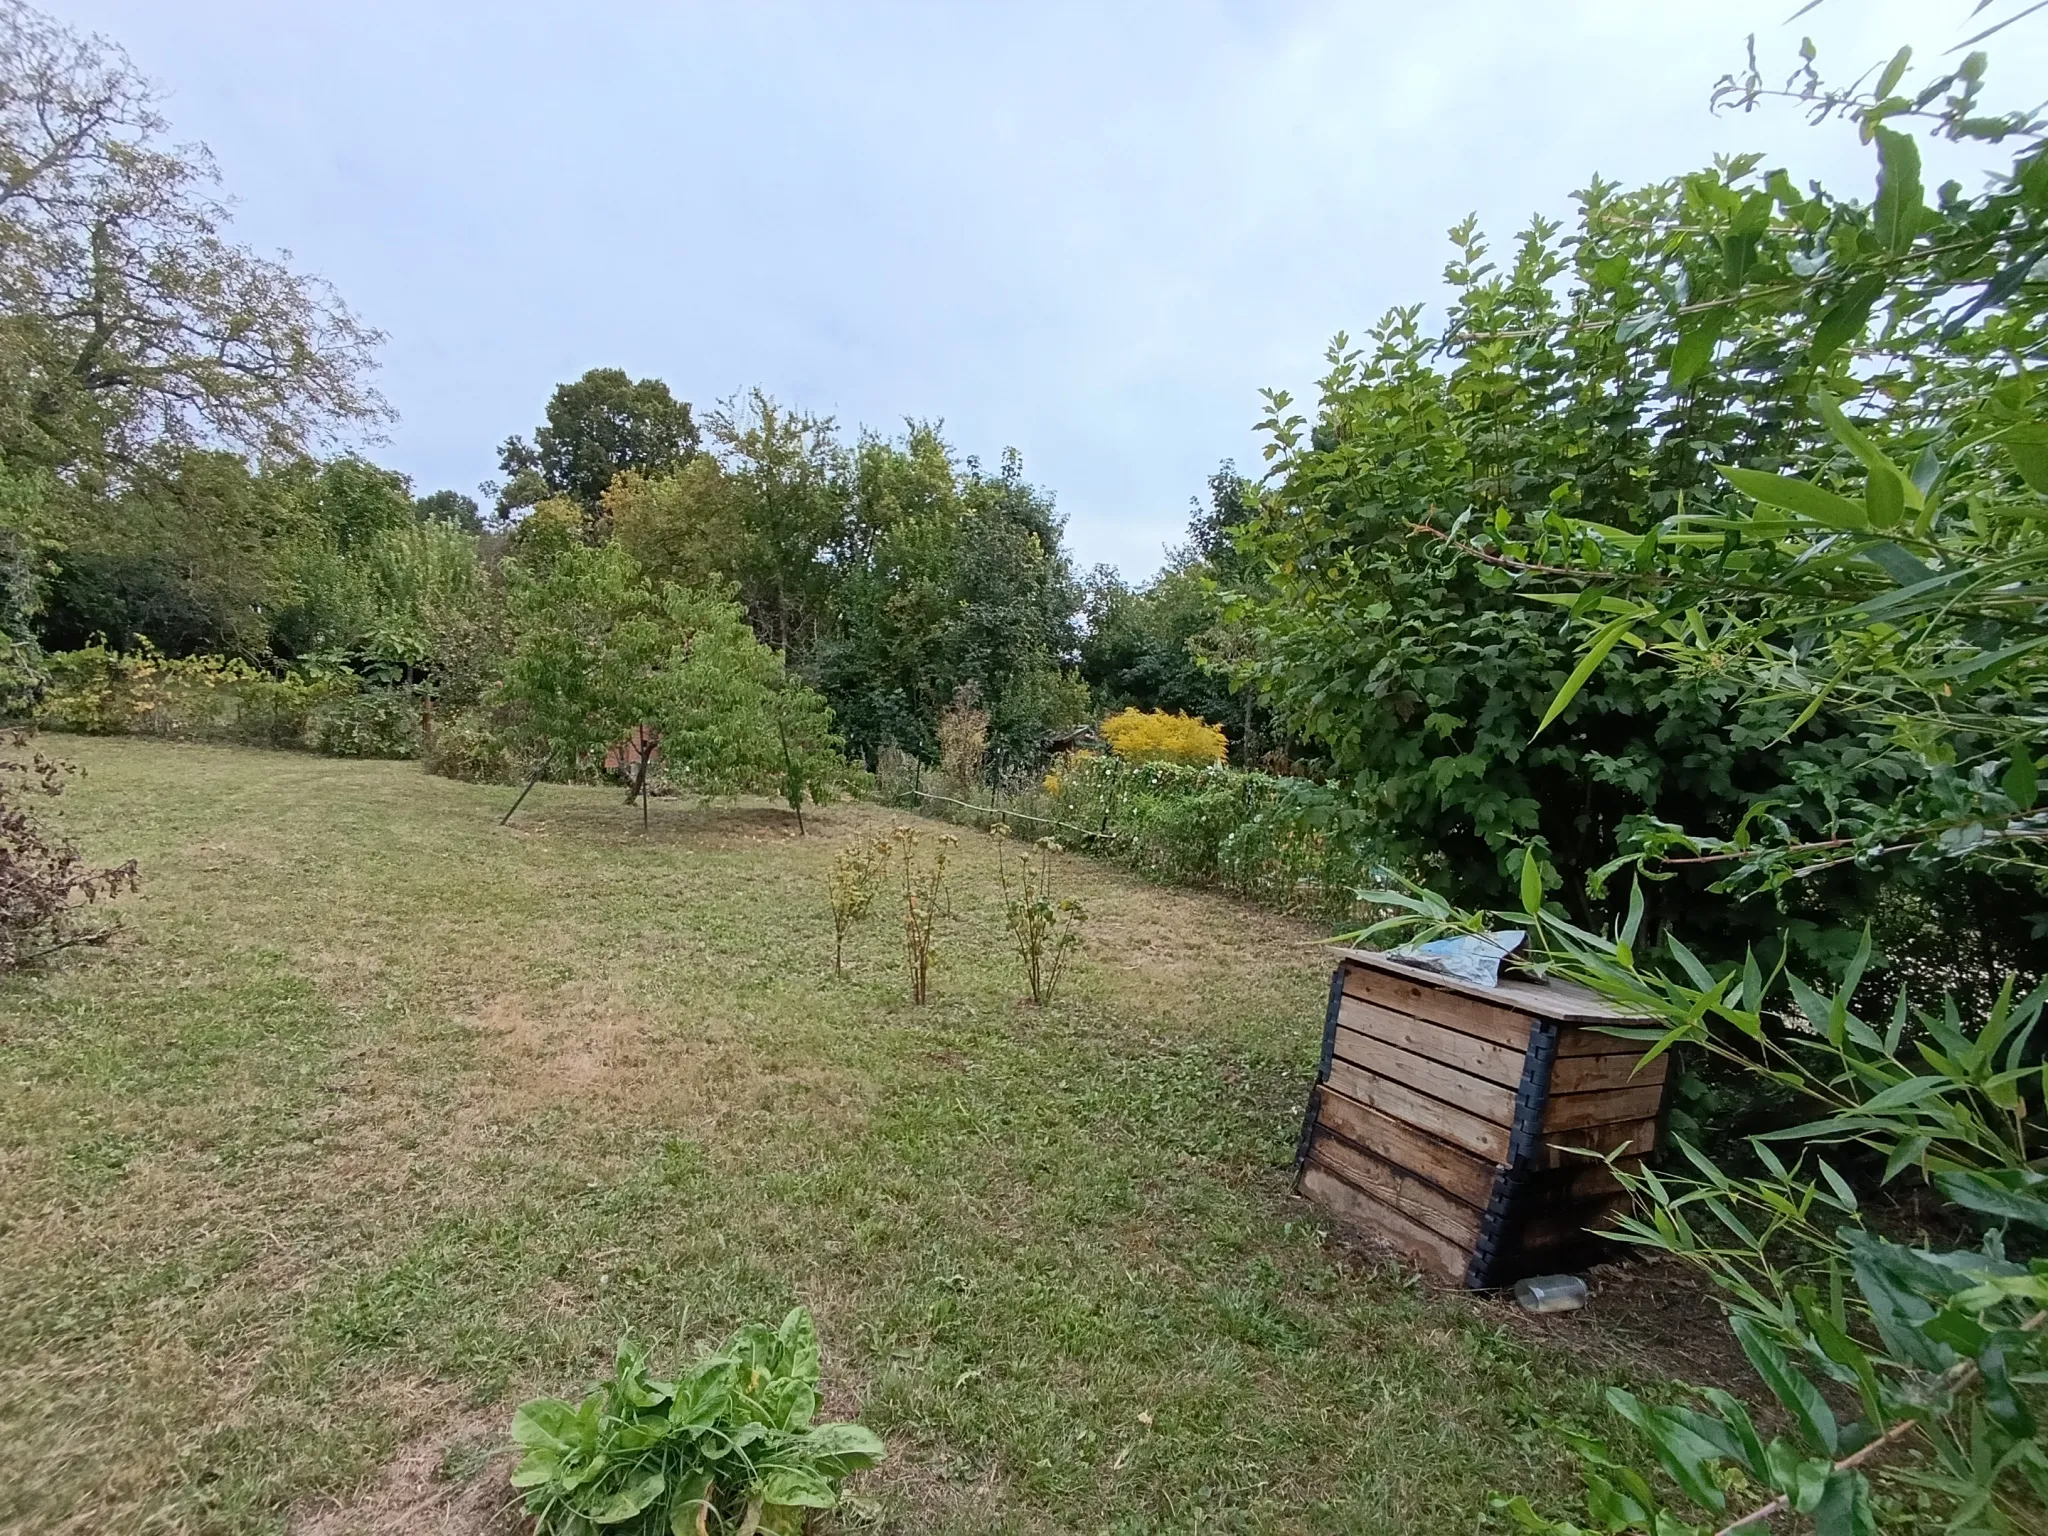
column 1088, row 231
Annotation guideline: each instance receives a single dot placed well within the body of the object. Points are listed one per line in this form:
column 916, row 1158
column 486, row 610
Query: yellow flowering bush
column 1153, row 736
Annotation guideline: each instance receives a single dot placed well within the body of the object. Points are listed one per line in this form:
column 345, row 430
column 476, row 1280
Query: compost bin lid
column 1564, row 1001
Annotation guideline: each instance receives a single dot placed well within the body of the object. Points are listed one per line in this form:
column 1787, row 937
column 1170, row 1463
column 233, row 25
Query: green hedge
column 103, row 692
column 1287, row 843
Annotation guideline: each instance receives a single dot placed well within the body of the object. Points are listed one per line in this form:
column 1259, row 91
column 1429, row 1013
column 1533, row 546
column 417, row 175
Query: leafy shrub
column 1153, row 736
column 370, row 722
column 1046, row 929
column 467, row 745
column 43, row 879
column 98, row 691
column 1290, row 843
column 857, row 875
column 726, row 1449
column 924, row 899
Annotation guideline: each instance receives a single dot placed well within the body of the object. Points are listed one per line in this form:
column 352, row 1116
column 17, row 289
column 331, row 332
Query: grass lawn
column 379, row 1116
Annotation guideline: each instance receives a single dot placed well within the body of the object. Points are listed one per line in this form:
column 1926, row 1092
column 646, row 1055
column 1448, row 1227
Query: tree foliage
column 597, row 427
column 1580, row 402
column 596, row 651
column 128, row 318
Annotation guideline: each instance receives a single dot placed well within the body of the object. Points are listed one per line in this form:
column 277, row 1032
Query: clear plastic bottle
column 1551, row 1293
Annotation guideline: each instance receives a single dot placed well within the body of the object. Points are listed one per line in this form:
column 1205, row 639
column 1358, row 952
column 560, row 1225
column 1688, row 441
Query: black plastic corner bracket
column 1525, row 1147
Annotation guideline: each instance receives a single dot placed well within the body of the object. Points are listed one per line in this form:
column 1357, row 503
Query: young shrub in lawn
column 726, row 1449
column 44, row 880
column 1046, row 929
column 857, row 875
column 924, row 891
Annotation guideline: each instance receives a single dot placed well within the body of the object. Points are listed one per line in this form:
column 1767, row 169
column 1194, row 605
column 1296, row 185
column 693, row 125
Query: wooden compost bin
column 1442, row 1112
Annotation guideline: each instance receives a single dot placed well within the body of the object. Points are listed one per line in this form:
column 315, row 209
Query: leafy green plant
column 1045, row 928
column 728, row 1448
column 857, row 875
column 1939, row 1345
column 923, row 888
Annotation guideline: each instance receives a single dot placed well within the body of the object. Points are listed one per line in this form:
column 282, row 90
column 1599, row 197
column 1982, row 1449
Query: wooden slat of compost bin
column 1558, row 1000
column 1588, row 1074
column 1639, row 1136
column 1415, row 1198
column 1362, row 1213
column 1468, row 1053
column 1457, row 1126
column 1573, row 1111
column 1453, row 1011
column 1489, row 1101
column 1450, row 1168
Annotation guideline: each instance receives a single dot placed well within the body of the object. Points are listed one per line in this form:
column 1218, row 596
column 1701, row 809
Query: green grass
column 379, row 1116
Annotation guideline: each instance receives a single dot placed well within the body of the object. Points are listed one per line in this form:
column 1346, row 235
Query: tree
column 1594, row 382
column 596, row 427
column 126, row 314
column 596, row 652
column 1892, row 583
column 451, row 509
column 683, row 527
column 189, row 556
column 785, row 477
column 948, row 577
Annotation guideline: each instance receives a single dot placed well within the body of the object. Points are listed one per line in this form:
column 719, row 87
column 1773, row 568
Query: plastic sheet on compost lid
column 1472, row 957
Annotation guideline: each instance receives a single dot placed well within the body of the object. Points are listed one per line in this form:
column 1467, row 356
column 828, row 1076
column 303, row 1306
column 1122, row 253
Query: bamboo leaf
column 1608, row 636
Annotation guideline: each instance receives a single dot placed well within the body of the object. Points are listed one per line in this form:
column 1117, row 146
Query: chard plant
column 728, row 1448
column 1045, row 928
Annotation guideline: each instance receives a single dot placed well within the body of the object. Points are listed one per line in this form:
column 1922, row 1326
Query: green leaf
column 2021, row 783
column 687, row 1505
column 1681, row 1452
column 1982, row 1192
column 1900, row 210
column 546, row 1421
column 1894, row 72
column 837, row 1449
column 1884, row 500
column 2027, row 446
column 1846, row 317
column 1844, row 1507
column 805, row 1487
column 1532, row 882
column 1695, row 347
column 1902, row 1095
column 1604, row 641
column 1873, row 458
column 1796, row 495
column 1801, row 1399
column 624, row 1503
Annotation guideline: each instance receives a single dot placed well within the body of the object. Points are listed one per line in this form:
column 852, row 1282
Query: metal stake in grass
column 507, row 817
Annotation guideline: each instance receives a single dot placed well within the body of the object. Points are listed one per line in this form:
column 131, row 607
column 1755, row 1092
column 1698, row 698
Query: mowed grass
column 379, row 1117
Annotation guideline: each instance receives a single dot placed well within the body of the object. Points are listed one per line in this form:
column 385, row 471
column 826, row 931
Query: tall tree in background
column 1166, row 644
column 597, row 427
column 127, row 318
column 451, row 509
